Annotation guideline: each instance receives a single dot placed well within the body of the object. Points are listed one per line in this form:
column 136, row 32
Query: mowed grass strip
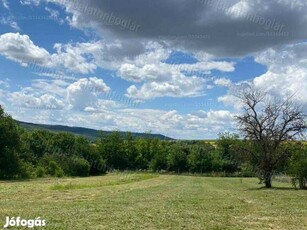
column 151, row 201
column 122, row 179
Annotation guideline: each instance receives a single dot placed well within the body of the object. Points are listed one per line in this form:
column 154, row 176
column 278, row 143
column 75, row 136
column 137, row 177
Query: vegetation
column 152, row 201
column 298, row 165
column 10, row 164
column 38, row 153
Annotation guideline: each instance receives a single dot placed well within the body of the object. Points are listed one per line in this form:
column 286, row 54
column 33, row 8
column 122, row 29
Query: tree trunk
column 302, row 183
column 268, row 181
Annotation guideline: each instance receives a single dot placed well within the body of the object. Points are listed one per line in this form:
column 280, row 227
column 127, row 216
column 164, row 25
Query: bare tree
column 267, row 124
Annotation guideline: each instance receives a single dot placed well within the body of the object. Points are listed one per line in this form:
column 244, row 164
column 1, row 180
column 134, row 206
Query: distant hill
column 89, row 133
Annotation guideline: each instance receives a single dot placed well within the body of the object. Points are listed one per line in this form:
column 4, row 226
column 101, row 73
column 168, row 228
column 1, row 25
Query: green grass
column 150, row 201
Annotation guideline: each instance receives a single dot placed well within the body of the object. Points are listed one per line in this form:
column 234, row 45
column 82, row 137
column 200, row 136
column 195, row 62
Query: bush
column 40, row 171
column 79, row 167
column 298, row 166
column 26, row 170
column 53, row 169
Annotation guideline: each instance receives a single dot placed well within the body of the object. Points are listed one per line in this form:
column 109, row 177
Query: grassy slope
column 145, row 201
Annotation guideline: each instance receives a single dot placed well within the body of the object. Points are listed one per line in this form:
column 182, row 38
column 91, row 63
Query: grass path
column 147, row 201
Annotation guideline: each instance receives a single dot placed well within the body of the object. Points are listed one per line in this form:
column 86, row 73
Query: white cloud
column 30, row 101
column 198, row 125
column 287, row 72
column 179, row 86
column 84, row 93
column 161, row 79
column 30, row 2
column 225, row 82
column 83, row 107
column 74, row 58
column 286, row 75
column 55, row 15
column 20, row 48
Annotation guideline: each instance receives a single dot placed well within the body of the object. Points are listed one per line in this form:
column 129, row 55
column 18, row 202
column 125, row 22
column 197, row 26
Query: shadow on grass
column 3, row 181
column 273, row 188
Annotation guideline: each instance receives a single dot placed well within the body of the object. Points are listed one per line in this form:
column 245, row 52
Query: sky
column 172, row 67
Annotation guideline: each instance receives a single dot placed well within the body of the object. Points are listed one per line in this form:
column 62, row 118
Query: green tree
column 111, row 148
column 63, row 143
column 200, row 158
column 178, row 158
column 144, row 156
column 130, row 150
column 227, row 145
column 9, row 145
column 35, row 144
column 160, row 151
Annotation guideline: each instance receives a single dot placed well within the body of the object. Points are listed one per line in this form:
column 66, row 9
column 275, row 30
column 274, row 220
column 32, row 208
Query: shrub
column 298, row 166
column 40, row 171
column 26, row 170
column 79, row 167
column 54, row 169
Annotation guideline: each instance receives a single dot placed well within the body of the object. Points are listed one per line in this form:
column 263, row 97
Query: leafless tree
column 266, row 125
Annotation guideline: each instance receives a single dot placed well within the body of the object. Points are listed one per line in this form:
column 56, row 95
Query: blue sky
column 62, row 63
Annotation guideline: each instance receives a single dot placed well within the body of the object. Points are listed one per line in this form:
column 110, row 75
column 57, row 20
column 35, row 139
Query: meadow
column 153, row 201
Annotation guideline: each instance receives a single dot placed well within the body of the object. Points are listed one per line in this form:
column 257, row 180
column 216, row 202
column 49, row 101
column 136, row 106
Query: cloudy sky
column 166, row 66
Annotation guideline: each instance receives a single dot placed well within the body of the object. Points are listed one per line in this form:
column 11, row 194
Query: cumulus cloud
column 83, row 93
column 31, row 101
column 179, row 86
column 20, row 48
column 73, row 58
column 287, row 72
column 286, row 75
column 161, row 78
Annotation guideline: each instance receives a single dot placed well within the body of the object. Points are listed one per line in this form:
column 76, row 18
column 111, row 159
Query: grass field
column 149, row 201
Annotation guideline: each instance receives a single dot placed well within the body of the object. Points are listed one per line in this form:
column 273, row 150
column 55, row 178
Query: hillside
column 89, row 133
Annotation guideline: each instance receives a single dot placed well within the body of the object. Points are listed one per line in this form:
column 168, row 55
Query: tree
column 200, row 159
column 111, row 148
column 63, row 143
column 227, row 145
column 9, row 144
column 35, row 142
column 130, row 150
column 160, row 151
column 267, row 124
column 178, row 158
